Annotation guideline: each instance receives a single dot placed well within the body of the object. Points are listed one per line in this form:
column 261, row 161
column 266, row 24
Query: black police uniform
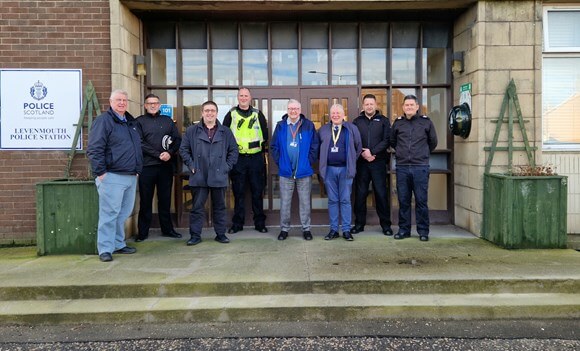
column 413, row 140
column 250, row 169
column 155, row 131
column 375, row 135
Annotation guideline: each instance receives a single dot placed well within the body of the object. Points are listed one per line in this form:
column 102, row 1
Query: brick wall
column 48, row 34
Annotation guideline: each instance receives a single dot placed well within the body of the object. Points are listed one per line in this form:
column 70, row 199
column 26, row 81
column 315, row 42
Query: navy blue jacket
column 308, row 152
column 114, row 145
column 375, row 134
column 354, row 147
column 413, row 140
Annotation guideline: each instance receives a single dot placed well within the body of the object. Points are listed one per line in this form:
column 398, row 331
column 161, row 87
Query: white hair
column 296, row 102
column 119, row 91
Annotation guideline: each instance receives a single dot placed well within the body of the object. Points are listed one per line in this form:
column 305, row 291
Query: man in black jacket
column 209, row 150
column 114, row 151
column 375, row 131
column 160, row 142
column 413, row 138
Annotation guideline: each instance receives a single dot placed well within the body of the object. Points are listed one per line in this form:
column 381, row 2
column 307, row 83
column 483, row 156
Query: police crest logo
column 38, row 91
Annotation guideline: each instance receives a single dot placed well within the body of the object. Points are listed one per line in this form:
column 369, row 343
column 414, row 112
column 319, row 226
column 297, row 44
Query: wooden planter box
column 525, row 212
column 67, row 215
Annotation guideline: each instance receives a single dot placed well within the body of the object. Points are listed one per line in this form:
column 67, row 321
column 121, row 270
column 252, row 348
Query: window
column 561, row 78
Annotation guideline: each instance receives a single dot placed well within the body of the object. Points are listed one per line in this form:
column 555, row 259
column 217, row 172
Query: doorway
column 316, row 105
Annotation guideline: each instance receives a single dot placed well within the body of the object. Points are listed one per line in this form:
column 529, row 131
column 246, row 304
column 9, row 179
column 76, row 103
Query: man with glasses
column 294, row 148
column 248, row 125
column 160, row 142
column 209, row 150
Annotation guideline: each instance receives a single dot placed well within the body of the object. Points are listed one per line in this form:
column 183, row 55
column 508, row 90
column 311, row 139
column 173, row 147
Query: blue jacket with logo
column 114, row 145
column 308, row 148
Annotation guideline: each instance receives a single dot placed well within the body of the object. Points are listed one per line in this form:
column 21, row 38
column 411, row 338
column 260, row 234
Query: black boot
column 194, row 240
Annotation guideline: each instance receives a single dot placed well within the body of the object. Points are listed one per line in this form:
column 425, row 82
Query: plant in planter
column 526, row 207
column 67, row 210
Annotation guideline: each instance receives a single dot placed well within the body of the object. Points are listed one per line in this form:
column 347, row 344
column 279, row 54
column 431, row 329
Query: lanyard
column 295, row 131
column 337, row 135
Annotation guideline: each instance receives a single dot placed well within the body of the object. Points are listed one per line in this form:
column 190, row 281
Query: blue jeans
column 338, row 188
column 413, row 180
column 116, row 201
column 304, row 187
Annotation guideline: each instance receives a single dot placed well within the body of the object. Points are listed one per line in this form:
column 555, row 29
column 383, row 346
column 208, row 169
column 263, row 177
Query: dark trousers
column 249, row 170
column 377, row 173
column 218, row 210
column 160, row 177
column 413, row 180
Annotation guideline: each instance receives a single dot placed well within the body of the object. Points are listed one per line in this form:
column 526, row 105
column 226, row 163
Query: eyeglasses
column 293, row 108
column 212, row 110
column 152, row 103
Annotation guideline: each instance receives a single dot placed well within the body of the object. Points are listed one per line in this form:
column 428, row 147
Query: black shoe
column 222, row 239
column 194, row 240
column 347, row 236
column 388, row 231
column 126, row 250
column 400, row 236
column 307, row 235
column 262, row 229
column 235, row 228
column 331, row 235
column 283, row 235
column 172, row 234
column 424, row 237
column 139, row 239
column 357, row 229
column 105, row 257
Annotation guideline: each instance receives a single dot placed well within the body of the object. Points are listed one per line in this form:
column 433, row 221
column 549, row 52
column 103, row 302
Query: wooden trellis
column 512, row 105
column 90, row 105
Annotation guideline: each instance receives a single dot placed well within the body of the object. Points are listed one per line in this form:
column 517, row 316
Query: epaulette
column 400, row 117
column 425, row 117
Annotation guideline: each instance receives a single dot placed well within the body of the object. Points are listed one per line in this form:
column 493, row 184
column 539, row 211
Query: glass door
column 273, row 104
column 316, row 105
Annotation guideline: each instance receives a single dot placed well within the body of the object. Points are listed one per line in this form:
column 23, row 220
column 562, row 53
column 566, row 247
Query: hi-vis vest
column 247, row 131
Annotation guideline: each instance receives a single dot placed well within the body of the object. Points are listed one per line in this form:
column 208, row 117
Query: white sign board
column 39, row 108
column 465, row 94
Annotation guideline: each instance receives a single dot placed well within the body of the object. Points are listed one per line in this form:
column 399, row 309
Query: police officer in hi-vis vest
column 249, row 127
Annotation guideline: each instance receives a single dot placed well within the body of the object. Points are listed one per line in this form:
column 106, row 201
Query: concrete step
column 208, row 289
column 293, row 307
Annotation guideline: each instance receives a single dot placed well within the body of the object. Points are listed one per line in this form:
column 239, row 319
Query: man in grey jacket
column 209, row 150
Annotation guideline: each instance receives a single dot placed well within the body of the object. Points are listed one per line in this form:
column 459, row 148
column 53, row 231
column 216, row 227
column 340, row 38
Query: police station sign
column 39, row 108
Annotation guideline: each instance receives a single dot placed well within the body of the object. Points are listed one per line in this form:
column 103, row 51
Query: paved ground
column 252, row 257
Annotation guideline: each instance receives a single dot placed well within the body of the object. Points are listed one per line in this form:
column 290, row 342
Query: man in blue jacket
column 294, row 148
column 114, row 151
column 340, row 146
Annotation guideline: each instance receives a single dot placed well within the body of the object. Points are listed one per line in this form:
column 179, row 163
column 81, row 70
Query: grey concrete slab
column 451, row 254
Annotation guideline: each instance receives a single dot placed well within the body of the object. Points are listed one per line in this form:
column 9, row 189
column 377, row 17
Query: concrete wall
column 502, row 41
column 126, row 41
